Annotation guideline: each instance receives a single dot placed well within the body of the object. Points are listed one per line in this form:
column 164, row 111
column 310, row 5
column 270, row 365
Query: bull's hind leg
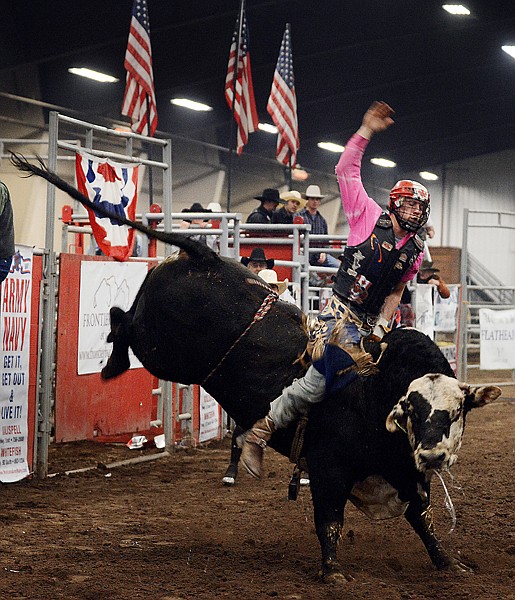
column 329, row 499
column 119, row 360
column 419, row 516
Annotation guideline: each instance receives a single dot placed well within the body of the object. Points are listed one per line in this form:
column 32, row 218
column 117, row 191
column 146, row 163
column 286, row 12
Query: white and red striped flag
column 139, row 101
column 245, row 111
column 282, row 104
column 114, row 186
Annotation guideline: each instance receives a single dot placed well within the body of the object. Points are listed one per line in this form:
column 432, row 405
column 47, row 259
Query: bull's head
column 432, row 413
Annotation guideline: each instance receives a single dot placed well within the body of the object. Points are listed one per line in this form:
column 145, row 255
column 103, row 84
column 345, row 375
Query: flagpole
column 232, row 135
column 150, row 177
column 289, row 172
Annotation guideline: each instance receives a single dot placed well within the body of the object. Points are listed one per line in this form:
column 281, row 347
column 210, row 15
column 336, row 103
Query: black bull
column 186, row 325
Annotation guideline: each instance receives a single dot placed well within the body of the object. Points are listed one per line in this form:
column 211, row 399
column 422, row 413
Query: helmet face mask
column 405, row 197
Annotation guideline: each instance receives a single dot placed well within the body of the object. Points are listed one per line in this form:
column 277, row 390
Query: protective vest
column 7, row 248
column 369, row 271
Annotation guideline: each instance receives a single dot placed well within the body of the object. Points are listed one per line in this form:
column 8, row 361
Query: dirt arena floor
column 168, row 529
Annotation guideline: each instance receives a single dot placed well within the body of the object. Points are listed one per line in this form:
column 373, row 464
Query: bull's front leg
column 329, row 499
column 419, row 516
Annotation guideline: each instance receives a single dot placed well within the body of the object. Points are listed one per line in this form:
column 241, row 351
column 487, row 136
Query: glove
column 380, row 329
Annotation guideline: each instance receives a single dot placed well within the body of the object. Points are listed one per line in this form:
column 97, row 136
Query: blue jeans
column 330, row 261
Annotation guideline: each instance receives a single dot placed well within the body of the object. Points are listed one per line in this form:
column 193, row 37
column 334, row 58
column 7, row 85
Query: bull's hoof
column 116, row 365
column 333, row 573
column 457, row 566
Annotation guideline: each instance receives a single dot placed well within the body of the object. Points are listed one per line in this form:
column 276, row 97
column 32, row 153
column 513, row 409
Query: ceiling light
column 428, row 176
column 331, row 147
column 90, row 74
column 383, row 162
column 268, row 128
column 456, row 9
column 191, row 104
column 509, row 50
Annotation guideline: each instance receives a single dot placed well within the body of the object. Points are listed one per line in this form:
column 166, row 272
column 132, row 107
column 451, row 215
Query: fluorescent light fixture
column 383, row 162
column 268, row 128
column 90, row 74
column 191, row 104
column 331, row 147
column 428, row 176
column 509, row 50
column 456, row 9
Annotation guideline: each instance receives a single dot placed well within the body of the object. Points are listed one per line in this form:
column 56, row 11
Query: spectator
column 312, row 216
column 294, row 203
column 199, row 223
column 257, row 261
column 428, row 274
column 281, row 287
column 7, row 248
column 270, row 200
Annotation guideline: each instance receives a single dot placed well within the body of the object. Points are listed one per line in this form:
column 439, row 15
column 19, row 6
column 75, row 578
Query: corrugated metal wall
column 483, row 183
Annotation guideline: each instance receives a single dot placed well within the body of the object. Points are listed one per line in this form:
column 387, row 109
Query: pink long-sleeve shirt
column 361, row 211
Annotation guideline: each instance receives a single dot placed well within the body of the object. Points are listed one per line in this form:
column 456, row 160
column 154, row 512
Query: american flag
column 282, row 104
column 245, row 111
column 139, row 89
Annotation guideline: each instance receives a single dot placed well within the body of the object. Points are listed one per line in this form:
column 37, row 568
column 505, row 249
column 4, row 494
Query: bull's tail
column 193, row 248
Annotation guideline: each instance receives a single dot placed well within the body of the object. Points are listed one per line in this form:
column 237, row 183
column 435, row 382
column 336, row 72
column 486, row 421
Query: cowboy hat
column 313, row 191
column 293, row 195
column 427, row 265
column 270, row 277
column 270, row 195
column 196, row 207
column 258, row 255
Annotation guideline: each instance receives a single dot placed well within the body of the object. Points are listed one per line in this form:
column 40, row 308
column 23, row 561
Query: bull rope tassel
column 266, row 305
column 448, row 503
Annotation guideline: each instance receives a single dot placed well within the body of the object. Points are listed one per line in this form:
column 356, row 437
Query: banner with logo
column 209, row 417
column 446, row 310
column 114, row 187
column 103, row 285
column 16, row 292
column 424, row 309
column 497, row 339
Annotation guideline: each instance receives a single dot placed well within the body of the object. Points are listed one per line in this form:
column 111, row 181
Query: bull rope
column 261, row 312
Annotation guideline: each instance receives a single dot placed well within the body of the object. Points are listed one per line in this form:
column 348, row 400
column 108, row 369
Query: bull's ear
column 396, row 420
column 479, row 396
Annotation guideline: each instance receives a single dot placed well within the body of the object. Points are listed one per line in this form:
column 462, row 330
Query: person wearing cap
column 257, row 261
column 270, row 200
column 285, row 214
column 384, row 251
column 313, row 217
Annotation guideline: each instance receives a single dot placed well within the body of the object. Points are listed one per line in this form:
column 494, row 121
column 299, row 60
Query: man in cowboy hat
column 257, row 261
column 199, row 223
column 280, row 287
column 294, row 203
column 269, row 199
column 312, row 216
column 384, row 252
column 429, row 274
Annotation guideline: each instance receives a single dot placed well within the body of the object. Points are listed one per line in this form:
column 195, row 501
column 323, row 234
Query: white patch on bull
column 442, row 394
column 377, row 499
column 172, row 257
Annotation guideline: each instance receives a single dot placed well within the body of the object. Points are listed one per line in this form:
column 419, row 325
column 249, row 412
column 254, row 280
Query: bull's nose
column 431, row 460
